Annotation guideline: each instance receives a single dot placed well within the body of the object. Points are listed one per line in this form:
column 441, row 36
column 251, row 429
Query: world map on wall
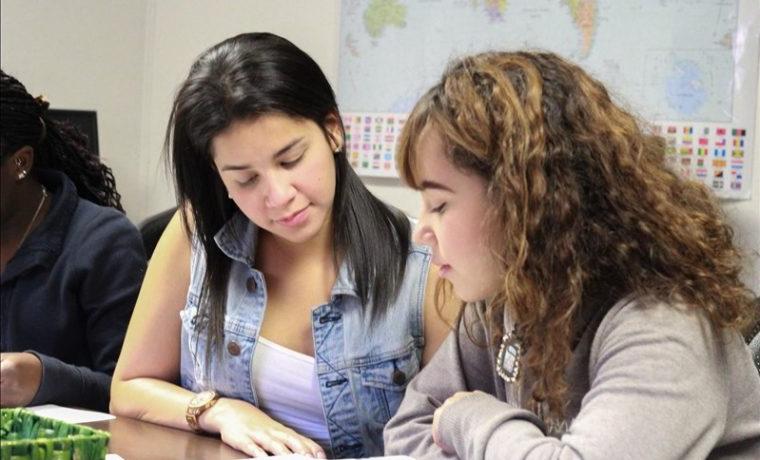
column 666, row 60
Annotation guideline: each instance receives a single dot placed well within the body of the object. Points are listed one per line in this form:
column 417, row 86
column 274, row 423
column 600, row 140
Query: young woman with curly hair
column 604, row 294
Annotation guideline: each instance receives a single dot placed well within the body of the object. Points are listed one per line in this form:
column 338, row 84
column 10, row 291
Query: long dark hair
column 244, row 77
column 58, row 146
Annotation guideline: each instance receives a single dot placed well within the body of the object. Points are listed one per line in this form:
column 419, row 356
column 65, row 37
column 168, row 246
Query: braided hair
column 57, row 145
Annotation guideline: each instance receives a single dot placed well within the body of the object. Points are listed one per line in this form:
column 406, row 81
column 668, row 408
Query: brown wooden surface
column 134, row 439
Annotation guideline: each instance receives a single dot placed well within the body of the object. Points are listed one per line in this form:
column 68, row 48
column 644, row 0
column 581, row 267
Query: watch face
column 202, row 398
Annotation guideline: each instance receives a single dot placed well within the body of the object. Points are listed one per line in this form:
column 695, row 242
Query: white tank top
column 287, row 389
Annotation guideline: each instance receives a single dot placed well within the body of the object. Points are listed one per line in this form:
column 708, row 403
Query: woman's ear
column 23, row 161
column 334, row 132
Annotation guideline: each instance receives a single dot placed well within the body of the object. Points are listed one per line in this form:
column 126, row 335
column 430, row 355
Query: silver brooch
column 508, row 359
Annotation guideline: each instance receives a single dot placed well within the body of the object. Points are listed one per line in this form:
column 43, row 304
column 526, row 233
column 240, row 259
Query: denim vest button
column 354, row 410
column 399, row 378
column 233, row 348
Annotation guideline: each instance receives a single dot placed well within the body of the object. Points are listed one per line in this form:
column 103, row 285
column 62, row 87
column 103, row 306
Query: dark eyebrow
column 429, row 184
column 278, row 154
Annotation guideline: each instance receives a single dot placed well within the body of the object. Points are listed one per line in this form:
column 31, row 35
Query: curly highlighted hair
column 584, row 210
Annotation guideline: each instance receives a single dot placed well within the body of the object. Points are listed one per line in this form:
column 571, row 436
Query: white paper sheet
column 303, row 457
column 69, row 415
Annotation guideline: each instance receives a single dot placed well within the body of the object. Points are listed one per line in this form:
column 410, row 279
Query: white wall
column 178, row 31
column 85, row 54
column 126, row 58
column 745, row 216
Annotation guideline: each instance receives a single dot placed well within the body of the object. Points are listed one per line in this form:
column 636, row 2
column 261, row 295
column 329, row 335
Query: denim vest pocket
column 227, row 372
column 384, row 382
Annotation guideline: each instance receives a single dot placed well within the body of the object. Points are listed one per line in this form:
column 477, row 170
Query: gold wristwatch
column 198, row 405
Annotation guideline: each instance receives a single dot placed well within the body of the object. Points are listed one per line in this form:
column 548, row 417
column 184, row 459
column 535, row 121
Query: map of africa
column 666, row 60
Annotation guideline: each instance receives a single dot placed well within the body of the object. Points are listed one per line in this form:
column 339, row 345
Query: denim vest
column 362, row 364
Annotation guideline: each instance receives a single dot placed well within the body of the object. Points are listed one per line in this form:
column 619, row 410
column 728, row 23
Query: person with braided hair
column 605, row 300
column 71, row 263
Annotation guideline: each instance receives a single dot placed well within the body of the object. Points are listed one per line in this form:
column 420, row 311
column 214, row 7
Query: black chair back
column 152, row 228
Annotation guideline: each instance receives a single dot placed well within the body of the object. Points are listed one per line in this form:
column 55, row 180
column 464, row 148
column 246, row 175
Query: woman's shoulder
column 100, row 224
column 654, row 313
column 672, row 351
column 88, row 212
column 653, row 326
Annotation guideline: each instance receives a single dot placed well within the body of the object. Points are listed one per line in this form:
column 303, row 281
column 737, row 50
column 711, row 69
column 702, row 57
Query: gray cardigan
column 647, row 381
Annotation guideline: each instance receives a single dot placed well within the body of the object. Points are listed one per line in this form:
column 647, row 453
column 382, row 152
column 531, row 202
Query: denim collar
column 45, row 243
column 237, row 240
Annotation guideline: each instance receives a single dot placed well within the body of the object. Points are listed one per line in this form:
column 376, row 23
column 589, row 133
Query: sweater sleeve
column 113, row 263
column 70, row 385
column 657, row 391
column 409, row 432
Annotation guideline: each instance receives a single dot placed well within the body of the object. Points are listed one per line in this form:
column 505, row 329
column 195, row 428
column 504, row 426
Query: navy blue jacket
column 68, row 293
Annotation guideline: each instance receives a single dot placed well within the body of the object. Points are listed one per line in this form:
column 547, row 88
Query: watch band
column 197, row 406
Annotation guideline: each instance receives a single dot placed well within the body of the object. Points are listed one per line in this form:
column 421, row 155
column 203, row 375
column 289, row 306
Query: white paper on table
column 69, row 415
column 114, row 457
column 303, row 457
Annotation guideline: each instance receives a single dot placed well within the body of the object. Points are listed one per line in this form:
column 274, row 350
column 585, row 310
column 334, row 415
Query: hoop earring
column 22, row 174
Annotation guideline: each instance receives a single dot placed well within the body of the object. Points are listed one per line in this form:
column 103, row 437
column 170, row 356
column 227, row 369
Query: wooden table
column 135, row 439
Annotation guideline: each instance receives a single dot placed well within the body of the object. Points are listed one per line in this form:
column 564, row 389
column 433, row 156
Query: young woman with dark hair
column 605, row 299
column 71, row 265
column 274, row 220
